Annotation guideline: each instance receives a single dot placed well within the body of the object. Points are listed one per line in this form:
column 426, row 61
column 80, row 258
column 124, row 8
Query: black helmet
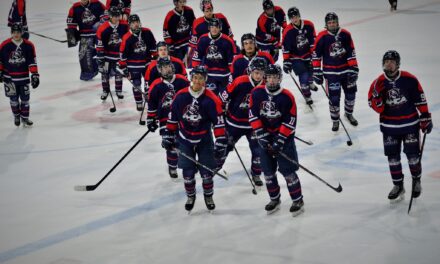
column 273, row 69
column 391, row 55
column 267, row 4
column 247, row 36
column 293, row 11
column 257, row 63
column 163, row 62
column 17, row 27
column 133, row 18
column 215, row 22
column 161, row 44
column 114, row 11
column 200, row 70
column 331, row 17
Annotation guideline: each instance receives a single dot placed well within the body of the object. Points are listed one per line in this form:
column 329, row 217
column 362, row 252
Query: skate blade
column 398, row 199
column 295, row 214
column 176, row 180
column 274, row 210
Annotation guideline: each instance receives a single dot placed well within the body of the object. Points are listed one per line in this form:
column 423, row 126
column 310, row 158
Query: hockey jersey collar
column 196, row 95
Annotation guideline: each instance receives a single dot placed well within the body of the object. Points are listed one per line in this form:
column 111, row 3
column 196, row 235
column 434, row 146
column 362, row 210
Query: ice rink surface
column 137, row 215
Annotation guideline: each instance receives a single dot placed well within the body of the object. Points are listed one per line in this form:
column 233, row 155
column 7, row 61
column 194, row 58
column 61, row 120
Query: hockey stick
column 141, row 121
column 144, row 102
column 413, row 181
column 349, row 141
column 307, row 142
column 254, row 191
column 43, row 36
column 200, row 164
column 106, row 73
column 112, row 109
column 93, row 187
column 299, row 88
column 336, row 189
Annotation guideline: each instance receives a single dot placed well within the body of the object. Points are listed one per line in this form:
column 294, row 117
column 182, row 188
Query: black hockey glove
column 35, row 80
column 277, row 146
column 169, row 141
column 426, row 122
column 101, row 66
column 287, row 67
column 263, row 139
column 152, row 124
column 220, row 147
column 352, row 76
column 318, row 76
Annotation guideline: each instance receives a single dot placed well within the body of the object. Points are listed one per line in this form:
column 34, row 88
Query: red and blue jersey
column 136, row 51
column 17, row 60
column 403, row 99
column 200, row 27
column 336, row 52
column 298, row 41
column 109, row 38
column 85, row 17
column 17, row 13
column 177, row 27
column 161, row 96
column 193, row 115
column 216, row 54
column 241, row 62
column 269, row 27
column 123, row 5
column 238, row 97
column 152, row 73
column 273, row 112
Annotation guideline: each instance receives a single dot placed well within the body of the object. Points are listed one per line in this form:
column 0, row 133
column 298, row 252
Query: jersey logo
column 274, row 26
column 168, row 99
column 244, row 105
column 87, row 17
column 390, row 141
column 395, row 98
column 182, row 26
column 140, row 47
column 337, row 50
column 268, row 109
column 16, row 57
column 213, row 53
column 301, row 41
column 192, row 115
column 114, row 39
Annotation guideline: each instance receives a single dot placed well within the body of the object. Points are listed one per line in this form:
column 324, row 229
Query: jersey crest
column 191, row 114
column 87, row 17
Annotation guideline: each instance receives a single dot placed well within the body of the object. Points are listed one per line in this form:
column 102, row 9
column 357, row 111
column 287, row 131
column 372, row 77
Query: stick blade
column 84, row 188
column 339, row 188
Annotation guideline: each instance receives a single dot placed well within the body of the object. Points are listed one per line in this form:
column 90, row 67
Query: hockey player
column 399, row 99
column 152, row 72
column 193, row 112
column 249, row 51
column 393, row 4
column 85, row 15
column 335, row 47
column 177, row 29
column 123, row 5
column 237, row 115
column 201, row 26
column 216, row 51
column 109, row 37
column 136, row 51
column 298, row 39
column 269, row 25
column 17, row 14
column 273, row 117
column 17, row 59
column 161, row 94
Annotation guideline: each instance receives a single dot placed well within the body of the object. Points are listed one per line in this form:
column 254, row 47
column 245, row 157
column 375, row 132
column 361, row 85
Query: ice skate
column 335, row 126
column 272, row 206
column 297, row 208
column 351, row 119
column 209, row 203
column 27, row 122
column 189, row 205
column 397, row 194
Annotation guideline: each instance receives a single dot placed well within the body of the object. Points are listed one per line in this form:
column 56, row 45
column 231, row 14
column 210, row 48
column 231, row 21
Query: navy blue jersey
column 200, row 27
column 123, row 5
column 109, row 38
column 241, row 62
column 193, row 116
column 273, row 112
column 177, row 27
column 216, row 54
column 298, row 41
column 238, row 98
column 403, row 99
column 336, row 51
column 161, row 95
column 137, row 50
column 269, row 28
column 85, row 17
column 17, row 14
column 17, row 60
column 152, row 73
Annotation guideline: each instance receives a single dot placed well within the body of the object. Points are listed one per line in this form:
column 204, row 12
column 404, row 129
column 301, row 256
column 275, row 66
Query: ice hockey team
column 232, row 91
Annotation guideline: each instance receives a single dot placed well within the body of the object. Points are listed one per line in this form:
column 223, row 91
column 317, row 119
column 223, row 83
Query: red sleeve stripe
column 256, row 124
column 285, row 131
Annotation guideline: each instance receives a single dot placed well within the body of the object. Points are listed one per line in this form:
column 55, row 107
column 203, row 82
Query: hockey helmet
column 200, row 70
column 17, row 27
column 267, row 4
column 391, row 55
column 257, row 63
column 161, row 64
column 292, row 12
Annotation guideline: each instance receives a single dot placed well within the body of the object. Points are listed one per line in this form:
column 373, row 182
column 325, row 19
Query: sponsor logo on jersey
column 390, row 141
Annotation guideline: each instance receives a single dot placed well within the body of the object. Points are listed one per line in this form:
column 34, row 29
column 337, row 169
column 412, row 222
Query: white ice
column 137, row 215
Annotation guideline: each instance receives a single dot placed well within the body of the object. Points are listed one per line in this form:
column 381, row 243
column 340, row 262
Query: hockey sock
column 208, row 184
column 294, row 187
column 172, row 159
column 272, row 186
column 189, row 182
column 24, row 109
column 395, row 169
